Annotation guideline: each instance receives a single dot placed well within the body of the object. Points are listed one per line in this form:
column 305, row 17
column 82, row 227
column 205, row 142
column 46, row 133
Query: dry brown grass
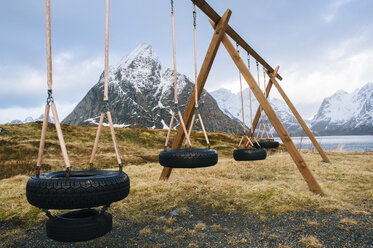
column 269, row 186
column 310, row 242
column 348, row 221
column 145, row 231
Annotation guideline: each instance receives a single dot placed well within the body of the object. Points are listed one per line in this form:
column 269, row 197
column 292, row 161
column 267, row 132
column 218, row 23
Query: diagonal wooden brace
column 299, row 119
column 294, row 153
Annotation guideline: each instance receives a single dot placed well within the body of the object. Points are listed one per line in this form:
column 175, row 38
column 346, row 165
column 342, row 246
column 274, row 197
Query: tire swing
column 250, row 152
column 269, row 142
column 187, row 157
column 83, row 189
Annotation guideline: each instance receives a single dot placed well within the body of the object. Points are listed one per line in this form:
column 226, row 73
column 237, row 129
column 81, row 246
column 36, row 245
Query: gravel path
column 196, row 227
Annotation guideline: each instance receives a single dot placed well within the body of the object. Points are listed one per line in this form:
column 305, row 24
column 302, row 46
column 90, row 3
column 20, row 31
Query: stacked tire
column 84, row 190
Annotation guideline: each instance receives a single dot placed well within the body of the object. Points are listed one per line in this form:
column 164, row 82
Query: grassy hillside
column 270, row 186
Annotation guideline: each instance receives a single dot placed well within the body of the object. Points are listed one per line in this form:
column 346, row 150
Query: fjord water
column 359, row 143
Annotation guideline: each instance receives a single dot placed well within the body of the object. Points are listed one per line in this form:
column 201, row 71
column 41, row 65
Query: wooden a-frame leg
column 294, row 153
column 60, row 136
column 190, row 128
column 114, row 139
column 169, row 130
column 219, row 31
column 42, row 139
column 98, row 133
column 300, row 120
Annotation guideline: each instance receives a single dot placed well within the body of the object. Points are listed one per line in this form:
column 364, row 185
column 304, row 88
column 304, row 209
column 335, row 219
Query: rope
column 261, row 117
column 251, row 106
column 50, row 103
column 196, row 83
column 106, row 101
column 195, row 56
column 175, row 86
column 243, row 112
column 174, row 50
column 106, row 97
column 49, row 46
column 265, row 94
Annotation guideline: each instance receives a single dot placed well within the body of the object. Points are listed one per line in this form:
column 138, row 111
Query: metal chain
column 194, row 16
column 248, row 61
column 50, row 97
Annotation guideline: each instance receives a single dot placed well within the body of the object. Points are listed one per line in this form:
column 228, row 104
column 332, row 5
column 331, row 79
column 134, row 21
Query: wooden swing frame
column 220, row 35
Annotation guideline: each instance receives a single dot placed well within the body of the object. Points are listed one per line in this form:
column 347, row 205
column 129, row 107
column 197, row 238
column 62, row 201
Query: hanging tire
column 183, row 158
column 80, row 225
column 249, row 154
column 267, row 144
column 84, row 189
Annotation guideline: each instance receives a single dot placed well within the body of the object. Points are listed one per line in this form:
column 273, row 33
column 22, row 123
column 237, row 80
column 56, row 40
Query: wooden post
column 211, row 13
column 219, row 31
column 299, row 119
column 294, row 153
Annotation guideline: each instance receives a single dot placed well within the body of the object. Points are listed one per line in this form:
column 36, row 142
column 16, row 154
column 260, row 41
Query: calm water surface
column 360, row 143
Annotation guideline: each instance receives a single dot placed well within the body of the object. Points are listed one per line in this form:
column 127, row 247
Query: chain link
column 50, row 97
column 194, row 16
column 248, row 61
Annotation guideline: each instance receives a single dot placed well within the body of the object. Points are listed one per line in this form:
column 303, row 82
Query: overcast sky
column 321, row 46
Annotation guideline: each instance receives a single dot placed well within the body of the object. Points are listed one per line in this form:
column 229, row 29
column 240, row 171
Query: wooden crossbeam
column 211, row 13
column 294, row 153
column 219, row 31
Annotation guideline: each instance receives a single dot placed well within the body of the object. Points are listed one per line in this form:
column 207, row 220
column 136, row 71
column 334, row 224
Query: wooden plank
column 300, row 119
column 258, row 112
column 294, row 153
column 211, row 13
column 202, row 77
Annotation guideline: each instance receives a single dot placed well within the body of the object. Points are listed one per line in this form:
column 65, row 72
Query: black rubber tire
column 79, row 225
column 183, row 158
column 249, row 154
column 267, row 144
column 84, row 189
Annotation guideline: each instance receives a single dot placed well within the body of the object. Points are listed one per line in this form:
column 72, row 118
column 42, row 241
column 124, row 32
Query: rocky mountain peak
column 142, row 54
column 141, row 91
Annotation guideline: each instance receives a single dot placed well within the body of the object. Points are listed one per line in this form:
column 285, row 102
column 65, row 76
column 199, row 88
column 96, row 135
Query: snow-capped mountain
column 340, row 114
column 344, row 113
column 230, row 103
column 141, row 91
column 30, row 119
